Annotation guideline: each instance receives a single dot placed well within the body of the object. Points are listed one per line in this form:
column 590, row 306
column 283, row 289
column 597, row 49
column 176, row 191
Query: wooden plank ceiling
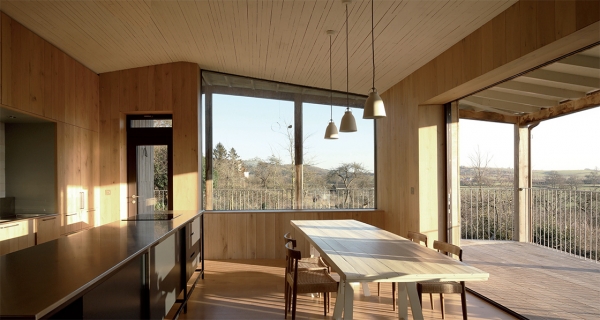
column 571, row 79
column 274, row 40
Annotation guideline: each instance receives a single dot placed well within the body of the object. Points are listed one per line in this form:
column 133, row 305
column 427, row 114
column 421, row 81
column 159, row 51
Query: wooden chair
column 414, row 237
column 445, row 286
column 306, row 263
column 309, row 281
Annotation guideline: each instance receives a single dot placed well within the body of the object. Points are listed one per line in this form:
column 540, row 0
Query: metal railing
column 486, row 213
column 283, row 199
column 566, row 220
column 161, row 197
column 562, row 219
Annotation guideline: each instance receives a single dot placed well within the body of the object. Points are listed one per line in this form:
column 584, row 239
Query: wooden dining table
column 360, row 252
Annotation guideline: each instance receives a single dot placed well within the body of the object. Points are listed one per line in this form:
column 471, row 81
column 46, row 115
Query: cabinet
column 46, row 229
column 77, row 177
column 16, row 235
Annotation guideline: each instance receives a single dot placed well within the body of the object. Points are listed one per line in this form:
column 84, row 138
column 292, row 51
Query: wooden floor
column 535, row 282
column 253, row 289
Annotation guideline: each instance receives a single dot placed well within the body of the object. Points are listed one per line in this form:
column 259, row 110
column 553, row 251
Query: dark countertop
column 23, row 216
column 37, row 280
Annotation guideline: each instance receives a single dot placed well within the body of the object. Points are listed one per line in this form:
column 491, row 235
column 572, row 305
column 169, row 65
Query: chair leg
column 325, row 304
column 442, row 304
column 328, row 301
column 378, row 288
column 294, row 297
column 463, row 300
column 286, row 308
column 431, row 299
column 420, row 295
column 394, row 296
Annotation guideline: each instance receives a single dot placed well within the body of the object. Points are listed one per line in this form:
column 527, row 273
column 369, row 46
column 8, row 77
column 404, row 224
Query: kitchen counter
column 23, row 216
column 36, row 281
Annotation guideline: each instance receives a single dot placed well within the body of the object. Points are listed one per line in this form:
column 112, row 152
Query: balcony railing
column 283, row 199
column 562, row 219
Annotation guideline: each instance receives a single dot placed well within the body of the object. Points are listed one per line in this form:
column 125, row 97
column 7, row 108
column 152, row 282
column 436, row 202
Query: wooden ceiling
column 276, row 40
column 573, row 78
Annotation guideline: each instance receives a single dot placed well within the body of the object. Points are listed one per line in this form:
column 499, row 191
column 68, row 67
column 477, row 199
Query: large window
column 264, row 148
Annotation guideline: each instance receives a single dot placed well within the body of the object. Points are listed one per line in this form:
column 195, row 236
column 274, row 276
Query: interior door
column 149, row 164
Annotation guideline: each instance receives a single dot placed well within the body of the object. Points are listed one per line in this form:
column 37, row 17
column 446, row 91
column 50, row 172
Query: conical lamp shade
column 348, row 122
column 374, row 108
column 332, row 131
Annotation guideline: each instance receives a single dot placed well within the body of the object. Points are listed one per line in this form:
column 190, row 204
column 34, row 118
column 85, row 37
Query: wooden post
column 522, row 192
column 452, row 174
column 298, row 147
column 209, row 150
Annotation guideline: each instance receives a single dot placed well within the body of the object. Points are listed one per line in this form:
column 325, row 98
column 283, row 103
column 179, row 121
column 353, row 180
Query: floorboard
column 253, row 289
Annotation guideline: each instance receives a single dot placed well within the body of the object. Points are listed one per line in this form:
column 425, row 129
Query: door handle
column 133, row 197
column 82, row 199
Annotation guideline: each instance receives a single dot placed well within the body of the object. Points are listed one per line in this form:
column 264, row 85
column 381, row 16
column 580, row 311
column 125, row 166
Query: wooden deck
column 535, row 282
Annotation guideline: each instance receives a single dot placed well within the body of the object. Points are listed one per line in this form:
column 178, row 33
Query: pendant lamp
column 348, row 123
column 331, row 132
column 374, row 108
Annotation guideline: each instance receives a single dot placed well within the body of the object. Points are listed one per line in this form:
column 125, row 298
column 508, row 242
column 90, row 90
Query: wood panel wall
column 39, row 79
column 526, row 35
column 259, row 235
column 172, row 88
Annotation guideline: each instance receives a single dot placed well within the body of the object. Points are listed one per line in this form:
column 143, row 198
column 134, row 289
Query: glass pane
column 253, row 153
column 152, row 123
column 152, row 178
column 337, row 173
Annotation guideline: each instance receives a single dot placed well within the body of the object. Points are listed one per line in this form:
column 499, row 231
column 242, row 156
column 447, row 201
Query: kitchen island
column 124, row 269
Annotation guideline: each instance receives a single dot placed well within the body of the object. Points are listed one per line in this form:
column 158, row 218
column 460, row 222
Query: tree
column 573, row 182
column 350, row 175
column 480, row 163
column 554, row 179
column 593, row 177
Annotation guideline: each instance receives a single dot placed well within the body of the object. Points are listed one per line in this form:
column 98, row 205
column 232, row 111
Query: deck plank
column 534, row 281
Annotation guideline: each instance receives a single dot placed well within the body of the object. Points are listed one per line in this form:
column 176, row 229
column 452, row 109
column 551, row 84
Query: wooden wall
column 259, row 235
column 526, row 35
column 172, row 88
column 38, row 79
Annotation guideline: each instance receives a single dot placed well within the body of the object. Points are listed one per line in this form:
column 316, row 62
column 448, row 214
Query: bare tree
column 480, row 164
column 554, row 179
column 351, row 175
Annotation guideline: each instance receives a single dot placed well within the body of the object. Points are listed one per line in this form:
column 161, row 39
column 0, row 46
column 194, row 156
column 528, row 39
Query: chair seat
column 439, row 287
column 310, row 264
column 313, row 281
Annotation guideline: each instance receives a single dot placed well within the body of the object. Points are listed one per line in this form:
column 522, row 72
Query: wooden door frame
column 148, row 136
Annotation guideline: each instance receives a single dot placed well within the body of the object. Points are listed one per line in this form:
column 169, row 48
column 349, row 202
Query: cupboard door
column 48, row 229
column 69, row 177
column 86, row 165
column 16, row 235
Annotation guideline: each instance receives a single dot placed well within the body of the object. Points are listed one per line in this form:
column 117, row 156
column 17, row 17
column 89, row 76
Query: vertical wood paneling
column 19, row 82
column 58, row 84
column 234, row 235
column 172, row 88
column 499, row 42
column 566, row 17
column 588, row 12
column 513, row 31
column 5, row 60
column 36, row 74
column 527, row 23
column 487, row 47
column 546, row 29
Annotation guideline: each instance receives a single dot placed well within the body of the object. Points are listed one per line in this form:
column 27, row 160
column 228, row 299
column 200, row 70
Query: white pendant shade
column 332, row 131
column 374, row 108
column 348, row 123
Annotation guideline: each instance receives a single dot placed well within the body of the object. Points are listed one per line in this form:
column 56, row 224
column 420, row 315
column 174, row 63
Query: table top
column 362, row 252
column 37, row 280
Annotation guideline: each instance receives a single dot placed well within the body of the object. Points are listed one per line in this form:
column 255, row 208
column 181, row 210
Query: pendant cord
column 373, row 38
column 347, row 64
column 330, row 82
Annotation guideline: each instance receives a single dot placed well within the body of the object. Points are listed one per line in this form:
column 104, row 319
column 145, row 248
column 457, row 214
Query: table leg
column 366, row 291
column 413, row 296
column 402, row 303
column 348, row 300
column 339, row 301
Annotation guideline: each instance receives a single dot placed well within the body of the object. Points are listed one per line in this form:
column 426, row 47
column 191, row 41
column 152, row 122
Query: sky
column 258, row 128
column 569, row 142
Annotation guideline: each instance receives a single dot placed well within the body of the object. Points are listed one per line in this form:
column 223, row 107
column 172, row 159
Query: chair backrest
column 417, row 237
column 448, row 249
column 288, row 238
column 292, row 256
